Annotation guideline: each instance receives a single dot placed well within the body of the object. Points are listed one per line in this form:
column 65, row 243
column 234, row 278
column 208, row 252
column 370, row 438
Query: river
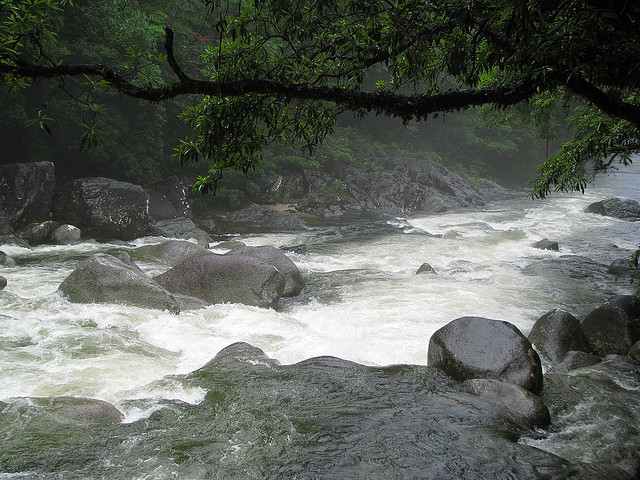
column 363, row 300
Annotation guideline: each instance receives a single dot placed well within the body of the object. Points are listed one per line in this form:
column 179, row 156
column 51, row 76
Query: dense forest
column 87, row 127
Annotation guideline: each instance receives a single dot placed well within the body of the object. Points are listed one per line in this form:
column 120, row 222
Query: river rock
column 555, row 334
column 181, row 227
column 546, row 244
column 3, row 282
column 574, row 360
column 613, row 326
column 172, row 252
column 476, row 347
column 512, row 397
column 226, row 278
column 425, row 268
column 66, row 235
column 26, row 190
column 168, row 199
column 6, row 260
column 104, row 208
column 67, row 410
column 102, row 278
column 622, row 267
column 634, row 352
column 38, row 233
column 274, row 256
column 616, row 207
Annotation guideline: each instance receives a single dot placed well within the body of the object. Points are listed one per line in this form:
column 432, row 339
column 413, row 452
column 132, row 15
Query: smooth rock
column 104, row 208
column 476, row 347
column 6, row 260
column 622, row 268
column 425, row 268
column 555, row 334
column 171, row 190
column 102, row 278
column 574, row 360
column 172, row 252
column 616, row 207
column 634, row 352
column 226, row 278
column 181, row 227
column 3, row 282
column 546, row 244
column 26, row 190
column 512, row 397
column 274, row 256
column 67, row 410
column 613, row 327
column 66, row 235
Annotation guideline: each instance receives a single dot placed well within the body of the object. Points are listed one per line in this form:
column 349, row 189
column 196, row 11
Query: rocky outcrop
column 38, row 233
column 26, row 190
column 264, row 217
column 476, row 347
column 274, row 256
column 180, row 227
column 103, row 208
column 557, row 333
column 168, row 199
column 614, row 326
column 226, row 278
column 172, row 252
column 102, row 278
column 546, row 244
column 624, row 209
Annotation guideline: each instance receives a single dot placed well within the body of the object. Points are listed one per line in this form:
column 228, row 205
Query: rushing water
column 363, row 301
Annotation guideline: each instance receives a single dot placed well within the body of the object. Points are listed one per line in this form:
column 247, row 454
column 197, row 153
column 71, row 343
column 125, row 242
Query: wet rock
column 475, row 347
column 555, row 334
column 299, row 249
column 622, row 268
column 226, row 278
column 13, row 239
column 171, row 198
column 574, row 360
column 67, row 410
column 160, row 208
column 66, row 235
column 634, row 352
column 229, row 245
column 181, row 227
column 6, row 260
column 104, row 208
column 26, row 190
column 546, row 244
column 425, row 268
column 264, row 217
column 613, row 327
column 513, row 398
column 38, row 233
column 275, row 256
column 3, row 282
column 616, row 207
column 102, row 278
column 172, row 252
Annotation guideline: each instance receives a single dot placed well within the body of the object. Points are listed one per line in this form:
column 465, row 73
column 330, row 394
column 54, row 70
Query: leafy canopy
column 280, row 71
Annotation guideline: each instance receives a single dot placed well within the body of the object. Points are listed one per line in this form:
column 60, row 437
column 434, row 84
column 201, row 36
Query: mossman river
column 363, row 301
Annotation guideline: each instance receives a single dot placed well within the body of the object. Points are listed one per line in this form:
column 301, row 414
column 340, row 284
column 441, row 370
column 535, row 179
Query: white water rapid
column 380, row 314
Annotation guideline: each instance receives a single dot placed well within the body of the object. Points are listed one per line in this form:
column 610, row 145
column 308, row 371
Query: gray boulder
column 425, row 268
column 513, row 398
column 104, row 208
column 67, row 410
column 616, row 207
column 26, row 190
column 634, row 352
column 180, row 227
column 168, row 199
column 226, row 278
column 274, row 256
column 613, row 327
column 6, row 260
column 102, row 278
column 172, row 252
column 66, row 235
column 546, row 244
column 3, row 282
column 476, row 347
column 555, row 334
column 38, row 233
column 622, row 267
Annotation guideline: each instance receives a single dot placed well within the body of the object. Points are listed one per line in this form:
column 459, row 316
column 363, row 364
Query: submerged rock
column 425, row 268
column 616, row 207
column 555, row 334
column 65, row 410
column 546, row 244
column 226, row 278
column 274, row 256
column 476, row 347
column 102, row 278
column 613, row 327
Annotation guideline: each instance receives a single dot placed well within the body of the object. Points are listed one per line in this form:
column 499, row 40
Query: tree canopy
column 280, row 71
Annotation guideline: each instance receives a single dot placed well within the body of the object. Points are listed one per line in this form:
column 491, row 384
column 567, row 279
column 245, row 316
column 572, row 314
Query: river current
column 363, row 300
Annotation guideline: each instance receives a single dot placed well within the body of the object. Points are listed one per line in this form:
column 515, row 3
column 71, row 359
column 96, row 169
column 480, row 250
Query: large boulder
column 180, row 227
column 274, row 256
column 38, row 233
column 102, row 278
column 168, row 199
column 476, row 347
column 622, row 267
column 172, row 252
column 26, row 190
column 226, row 278
column 557, row 333
column 616, row 207
column 614, row 326
column 66, row 235
column 104, row 208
